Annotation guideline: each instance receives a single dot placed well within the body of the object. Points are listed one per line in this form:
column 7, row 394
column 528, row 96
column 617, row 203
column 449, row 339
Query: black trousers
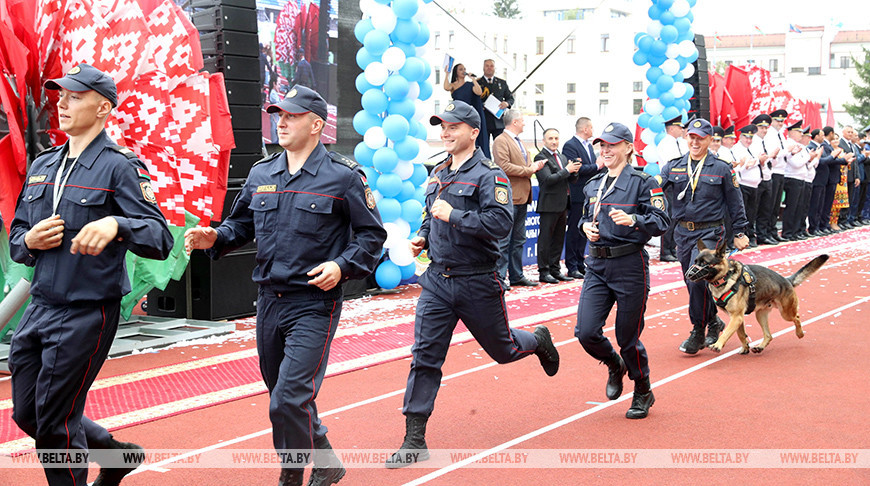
column 827, row 205
column 750, row 203
column 765, row 222
column 550, row 238
column 817, row 209
column 791, row 215
column 669, row 246
column 777, row 185
column 804, row 206
column 575, row 240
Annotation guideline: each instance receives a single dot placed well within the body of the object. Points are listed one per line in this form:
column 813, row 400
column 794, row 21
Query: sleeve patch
column 148, row 192
column 370, row 198
column 143, row 173
column 657, row 191
column 658, row 202
column 502, row 181
column 501, row 195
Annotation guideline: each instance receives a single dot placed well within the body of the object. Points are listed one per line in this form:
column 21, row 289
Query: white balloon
column 393, row 237
column 687, row 48
column 653, row 107
column 673, row 51
column 670, row 67
column 650, row 154
column 653, row 28
column 647, row 136
column 404, row 169
column 421, row 110
column 365, row 6
column 688, row 71
column 404, row 229
column 383, row 18
column 680, row 8
column 376, row 73
column 423, row 154
column 393, row 58
column 401, row 254
column 375, row 138
column 413, row 91
column 678, row 90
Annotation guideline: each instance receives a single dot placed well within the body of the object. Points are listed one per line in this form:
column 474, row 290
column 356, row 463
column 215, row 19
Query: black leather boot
column 291, row 477
column 413, row 448
column 616, row 370
column 714, row 328
column 642, row 401
column 112, row 476
column 546, row 351
column 328, row 468
column 695, row 341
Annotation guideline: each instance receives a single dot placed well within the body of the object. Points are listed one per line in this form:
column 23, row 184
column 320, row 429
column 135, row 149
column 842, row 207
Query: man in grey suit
column 854, row 176
column 579, row 147
column 553, row 179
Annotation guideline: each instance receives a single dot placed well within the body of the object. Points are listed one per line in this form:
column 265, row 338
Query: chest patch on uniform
column 501, row 195
column 370, row 198
column 678, row 169
column 267, row 188
column 36, row 178
column 148, row 192
column 593, row 199
column 658, row 202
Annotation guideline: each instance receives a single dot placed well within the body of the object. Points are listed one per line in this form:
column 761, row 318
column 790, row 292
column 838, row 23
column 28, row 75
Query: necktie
column 522, row 149
column 558, row 161
column 588, row 148
column 678, row 147
column 781, row 145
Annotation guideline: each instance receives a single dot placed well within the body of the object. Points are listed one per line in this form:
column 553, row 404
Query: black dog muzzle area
column 698, row 272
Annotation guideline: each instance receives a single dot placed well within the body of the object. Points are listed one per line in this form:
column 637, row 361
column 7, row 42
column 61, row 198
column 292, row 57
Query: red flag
column 639, row 146
column 11, row 182
column 737, row 83
column 716, row 90
column 830, row 114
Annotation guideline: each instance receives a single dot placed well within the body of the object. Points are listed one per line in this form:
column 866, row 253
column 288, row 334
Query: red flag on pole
column 830, row 117
column 738, row 85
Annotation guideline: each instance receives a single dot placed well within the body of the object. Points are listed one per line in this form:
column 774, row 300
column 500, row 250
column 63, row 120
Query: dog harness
column 747, row 279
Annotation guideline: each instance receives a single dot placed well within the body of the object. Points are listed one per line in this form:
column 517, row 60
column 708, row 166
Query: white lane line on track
column 159, row 465
column 586, row 413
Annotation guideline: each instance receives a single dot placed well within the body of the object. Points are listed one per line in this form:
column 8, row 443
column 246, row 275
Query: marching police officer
column 624, row 209
column 672, row 146
column 85, row 204
column 320, row 202
column 706, row 188
column 468, row 210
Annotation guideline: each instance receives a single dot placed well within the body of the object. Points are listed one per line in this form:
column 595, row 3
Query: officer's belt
column 459, row 270
column 614, row 251
column 695, row 226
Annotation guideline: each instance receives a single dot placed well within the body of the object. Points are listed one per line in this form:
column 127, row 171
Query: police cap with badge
column 85, row 77
column 729, row 132
column 718, row 132
column 748, row 130
column 301, row 99
column 615, row 133
column 779, row 115
column 457, row 112
column 762, row 120
column 700, row 127
column 677, row 122
column 796, row 126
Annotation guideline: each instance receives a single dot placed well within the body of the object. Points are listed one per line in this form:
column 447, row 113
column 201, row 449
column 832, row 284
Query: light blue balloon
column 652, row 91
column 683, row 25
column 407, row 148
column 693, row 57
column 419, row 176
column 396, row 87
column 656, row 61
column 388, row 275
column 645, row 43
column 682, row 62
column 690, row 91
column 654, row 12
column 664, row 83
column 407, row 193
column 361, row 84
column 428, row 68
column 658, row 48
column 383, row 2
column 413, row 69
column 657, row 123
column 664, row 4
column 642, row 120
column 396, row 127
column 667, row 114
column 692, row 3
column 652, row 74
column 639, row 58
column 376, row 41
column 688, row 35
column 419, row 130
column 690, row 16
column 667, row 98
column 390, row 185
column 364, row 120
column 385, row 160
column 362, row 28
column 669, row 34
column 410, row 50
column 411, row 210
column 371, row 176
column 681, row 104
column 364, row 58
column 408, row 271
column 403, row 107
column 425, row 90
column 420, row 194
column 374, row 101
column 363, row 154
column 652, row 169
column 660, row 135
column 678, row 78
column 389, row 208
column 423, row 36
column 405, row 9
column 667, row 18
column 415, row 225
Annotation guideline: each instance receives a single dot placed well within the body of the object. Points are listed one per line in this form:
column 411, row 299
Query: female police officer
column 624, row 208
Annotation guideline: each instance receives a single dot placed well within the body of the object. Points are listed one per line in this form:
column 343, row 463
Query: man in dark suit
column 854, row 175
column 830, row 155
column 497, row 87
column 553, row 179
column 817, row 226
column 579, row 147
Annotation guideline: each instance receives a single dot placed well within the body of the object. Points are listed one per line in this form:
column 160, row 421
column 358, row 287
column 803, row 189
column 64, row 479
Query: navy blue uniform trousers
column 294, row 332
column 702, row 307
column 625, row 281
column 479, row 301
column 56, row 353
column 575, row 239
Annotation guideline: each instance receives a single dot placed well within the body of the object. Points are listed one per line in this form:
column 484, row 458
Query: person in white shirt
column 765, row 223
column 748, row 169
column 804, row 204
column 673, row 146
column 797, row 159
column 726, row 153
column 776, row 138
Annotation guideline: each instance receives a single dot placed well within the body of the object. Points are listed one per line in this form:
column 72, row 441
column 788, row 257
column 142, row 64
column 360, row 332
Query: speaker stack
column 699, row 105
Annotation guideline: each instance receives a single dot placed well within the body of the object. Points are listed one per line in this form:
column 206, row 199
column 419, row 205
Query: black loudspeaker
column 240, row 164
column 699, row 105
column 236, row 68
column 228, row 42
column 226, row 17
column 248, row 117
column 244, row 92
column 234, row 187
column 223, row 289
column 231, row 3
column 248, row 141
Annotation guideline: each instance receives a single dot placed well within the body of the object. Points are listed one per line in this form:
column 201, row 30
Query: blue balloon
column 413, row 69
column 407, row 148
column 403, row 107
column 669, row 34
column 652, row 91
column 389, row 208
column 665, row 83
column 658, row 48
column 638, row 37
column 688, row 35
column 645, row 43
column 690, row 16
column 683, row 62
column 656, row 61
column 374, row 101
column 660, row 135
column 396, row 127
column 422, row 37
column 420, row 194
column 642, row 120
column 362, row 28
column 385, row 160
column 383, row 2
column 390, row 185
column 692, row 3
column 654, row 12
column 419, row 176
column 406, row 30
column 361, row 84
column 652, row 74
column 683, row 25
column 664, row 4
column 396, row 86
column 690, row 91
column 408, row 271
column 667, row 18
column 410, row 50
column 657, row 123
column 364, row 58
column 693, row 57
column 406, row 194
column 363, row 154
column 639, row 58
column 678, row 78
column 411, row 210
column 405, row 9
column 652, row 169
column 371, row 176
column 419, row 130
column 388, row 275
column 425, row 90
column 669, row 113
column 667, row 98
column 681, row 104
column 415, row 225
column 376, row 42
column 364, row 120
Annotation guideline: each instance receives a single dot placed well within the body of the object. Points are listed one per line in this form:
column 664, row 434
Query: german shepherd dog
column 740, row 288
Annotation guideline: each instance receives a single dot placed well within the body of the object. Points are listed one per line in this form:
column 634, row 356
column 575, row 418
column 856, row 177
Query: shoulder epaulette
column 640, row 173
column 124, row 150
column 345, row 161
column 267, row 158
column 598, row 175
column 49, row 150
column 489, row 163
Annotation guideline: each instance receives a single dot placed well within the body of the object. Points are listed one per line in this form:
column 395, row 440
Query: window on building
column 539, row 89
column 450, row 40
column 571, row 108
column 637, row 86
column 750, row 61
column 570, row 45
column 603, row 87
column 505, row 44
column 773, row 65
column 539, row 107
column 572, row 88
column 797, row 69
column 437, row 106
column 814, row 71
column 605, row 38
column 539, row 46
column 495, row 43
column 637, row 105
column 437, row 77
column 845, row 62
column 436, row 41
column 616, row 14
column 602, row 107
column 525, row 63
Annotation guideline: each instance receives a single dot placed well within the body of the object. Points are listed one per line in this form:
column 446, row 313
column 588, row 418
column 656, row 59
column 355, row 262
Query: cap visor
column 608, row 138
column 67, row 83
column 291, row 108
column 698, row 132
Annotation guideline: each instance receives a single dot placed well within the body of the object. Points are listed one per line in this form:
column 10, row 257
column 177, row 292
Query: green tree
column 860, row 110
column 506, row 9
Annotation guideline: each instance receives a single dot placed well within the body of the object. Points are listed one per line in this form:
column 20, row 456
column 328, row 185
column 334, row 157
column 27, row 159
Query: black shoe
column 753, row 243
column 113, row 476
column 668, row 257
column 576, row 274
column 642, row 401
column 546, row 351
column 847, row 225
column 779, row 238
column 800, row 237
column 328, row 468
column 562, row 277
column 764, row 241
column 547, row 278
column 289, row 477
column 524, row 283
column 413, row 448
column 695, row 341
column 616, row 370
column 714, row 328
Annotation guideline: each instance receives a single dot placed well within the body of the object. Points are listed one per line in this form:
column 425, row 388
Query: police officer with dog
column 320, row 202
column 706, row 188
column 85, row 204
column 468, row 210
column 624, row 208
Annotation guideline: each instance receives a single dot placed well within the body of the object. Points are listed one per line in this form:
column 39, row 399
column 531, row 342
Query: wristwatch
column 740, row 235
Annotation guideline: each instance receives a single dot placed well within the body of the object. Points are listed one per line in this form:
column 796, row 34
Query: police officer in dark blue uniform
column 316, row 225
column 705, row 189
column 84, row 204
column 468, row 210
column 624, row 209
